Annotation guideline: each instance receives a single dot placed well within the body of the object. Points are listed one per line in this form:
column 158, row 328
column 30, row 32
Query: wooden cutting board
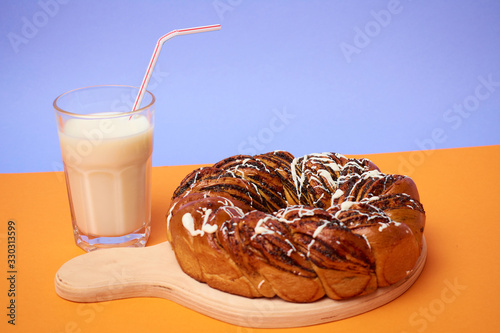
column 153, row 271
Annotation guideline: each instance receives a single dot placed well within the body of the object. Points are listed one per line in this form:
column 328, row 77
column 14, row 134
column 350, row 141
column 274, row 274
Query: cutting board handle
column 153, row 271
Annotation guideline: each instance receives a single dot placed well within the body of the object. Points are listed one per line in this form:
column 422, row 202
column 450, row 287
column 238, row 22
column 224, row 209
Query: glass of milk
column 107, row 151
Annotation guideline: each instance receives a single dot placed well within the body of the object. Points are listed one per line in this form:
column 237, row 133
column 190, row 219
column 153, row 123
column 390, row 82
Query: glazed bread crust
column 297, row 228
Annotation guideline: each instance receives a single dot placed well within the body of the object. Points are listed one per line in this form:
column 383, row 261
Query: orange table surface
column 458, row 290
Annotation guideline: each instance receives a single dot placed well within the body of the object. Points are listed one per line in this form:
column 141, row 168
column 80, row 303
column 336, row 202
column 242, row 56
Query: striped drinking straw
column 157, row 50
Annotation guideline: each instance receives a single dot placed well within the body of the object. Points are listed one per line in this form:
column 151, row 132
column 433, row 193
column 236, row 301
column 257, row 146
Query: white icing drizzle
column 260, row 284
column 322, row 159
column 319, row 229
column 318, row 168
column 309, row 248
column 382, row 226
column 372, row 174
column 328, row 177
column 296, row 181
column 208, row 228
column 170, row 214
column 368, row 200
column 367, row 242
column 319, row 199
column 260, row 229
column 231, row 211
column 188, row 223
column 346, row 205
column 338, row 193
column 244, row 162
column 305, row 211
column 225, row 202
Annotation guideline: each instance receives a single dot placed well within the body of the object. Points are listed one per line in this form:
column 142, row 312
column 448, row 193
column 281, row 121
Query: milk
column 108, row 173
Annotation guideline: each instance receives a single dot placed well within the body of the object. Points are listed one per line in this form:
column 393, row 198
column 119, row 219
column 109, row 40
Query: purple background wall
column 305, row 76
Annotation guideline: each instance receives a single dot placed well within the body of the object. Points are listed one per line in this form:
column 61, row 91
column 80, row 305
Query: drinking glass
column 107, row 155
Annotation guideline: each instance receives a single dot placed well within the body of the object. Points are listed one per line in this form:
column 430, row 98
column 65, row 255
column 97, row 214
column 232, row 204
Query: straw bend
column 156, row 53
